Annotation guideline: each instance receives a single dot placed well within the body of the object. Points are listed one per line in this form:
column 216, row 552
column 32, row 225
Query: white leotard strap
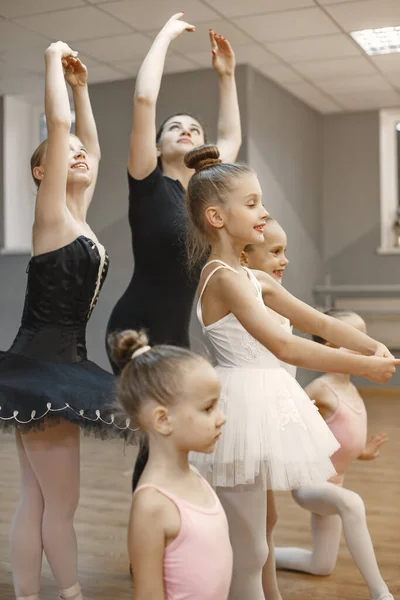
column 219, row 262
column 221, row 265
column 254, row 281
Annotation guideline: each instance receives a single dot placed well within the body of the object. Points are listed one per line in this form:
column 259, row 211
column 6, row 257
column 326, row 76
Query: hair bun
column 202, row 157
column 124, row 343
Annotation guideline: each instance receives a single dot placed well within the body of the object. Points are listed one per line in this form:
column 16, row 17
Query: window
column 20, row 138
column 24, row 129
column 389, row 150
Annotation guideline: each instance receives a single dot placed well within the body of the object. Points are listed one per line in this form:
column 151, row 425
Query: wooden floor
column 102, row 518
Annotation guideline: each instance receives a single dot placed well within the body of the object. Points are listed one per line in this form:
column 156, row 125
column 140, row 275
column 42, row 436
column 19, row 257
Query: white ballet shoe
column 72, row 593
column 387, row 596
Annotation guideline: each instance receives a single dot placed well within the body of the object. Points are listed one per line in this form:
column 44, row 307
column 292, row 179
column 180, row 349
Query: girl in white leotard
column 274, row 437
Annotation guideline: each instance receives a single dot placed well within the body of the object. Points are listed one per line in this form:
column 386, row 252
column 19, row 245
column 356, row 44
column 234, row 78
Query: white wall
column 284, row 147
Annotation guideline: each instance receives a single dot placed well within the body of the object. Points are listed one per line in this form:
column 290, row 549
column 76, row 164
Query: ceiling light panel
column 385, row 40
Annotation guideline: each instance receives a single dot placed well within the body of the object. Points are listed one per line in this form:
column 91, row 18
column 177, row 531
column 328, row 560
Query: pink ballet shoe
column 72, row 593
column 32, row 597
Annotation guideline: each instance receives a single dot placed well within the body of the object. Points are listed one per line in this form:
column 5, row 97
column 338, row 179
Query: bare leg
column 269, row 580
column 26, row 531
column 245, row 508
column 54, row 456
column 326, row 501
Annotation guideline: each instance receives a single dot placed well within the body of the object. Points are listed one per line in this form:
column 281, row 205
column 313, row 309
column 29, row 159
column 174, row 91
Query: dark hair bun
column 202, row 157
column 124, row 343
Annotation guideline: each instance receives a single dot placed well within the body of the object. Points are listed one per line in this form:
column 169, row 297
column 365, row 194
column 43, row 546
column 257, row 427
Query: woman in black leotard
column 160, row 294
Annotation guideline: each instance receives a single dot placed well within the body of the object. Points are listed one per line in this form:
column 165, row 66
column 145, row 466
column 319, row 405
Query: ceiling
column 301, row 44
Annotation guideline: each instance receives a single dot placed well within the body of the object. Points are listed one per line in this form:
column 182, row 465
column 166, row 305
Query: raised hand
column 371, row 450
column 76, row 74
column 62, row 49
column 175, row 26
column 223, row 57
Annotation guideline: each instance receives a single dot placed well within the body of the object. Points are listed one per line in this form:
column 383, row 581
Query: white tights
column 254, row 574
column 269, row 580
column 49, row 463
column 332, row 506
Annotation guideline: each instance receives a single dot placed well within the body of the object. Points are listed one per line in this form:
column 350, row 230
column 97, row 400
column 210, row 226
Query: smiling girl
column 157, row 179
column 274, row 437
column 49, row 389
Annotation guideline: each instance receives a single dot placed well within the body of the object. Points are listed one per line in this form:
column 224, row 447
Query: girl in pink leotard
column 178, row 535
column 330, row 503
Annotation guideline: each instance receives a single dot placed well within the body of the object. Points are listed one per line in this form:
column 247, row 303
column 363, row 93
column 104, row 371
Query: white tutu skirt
column 273, row 432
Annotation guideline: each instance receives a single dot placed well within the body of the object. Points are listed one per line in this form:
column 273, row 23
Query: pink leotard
column 349, row 426
column 198, row 563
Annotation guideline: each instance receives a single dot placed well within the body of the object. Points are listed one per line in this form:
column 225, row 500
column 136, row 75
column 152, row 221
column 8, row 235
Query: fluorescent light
column 378, row 41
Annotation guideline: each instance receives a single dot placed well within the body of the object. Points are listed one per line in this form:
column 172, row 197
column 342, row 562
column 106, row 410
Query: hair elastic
column 140, row 351
column 209, row 162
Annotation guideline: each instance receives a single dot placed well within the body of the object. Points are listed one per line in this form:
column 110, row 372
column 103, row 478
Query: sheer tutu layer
column 273, row 430
column 35, row 394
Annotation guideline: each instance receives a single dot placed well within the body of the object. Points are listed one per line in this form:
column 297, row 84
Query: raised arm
column 143, row 153
column 76, row 75
column 240, row 300
column 229, row 128
column 50, row 208
column 308, row 319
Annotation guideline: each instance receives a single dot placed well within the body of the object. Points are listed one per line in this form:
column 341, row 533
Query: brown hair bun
column 202, row 157
column 124, row 343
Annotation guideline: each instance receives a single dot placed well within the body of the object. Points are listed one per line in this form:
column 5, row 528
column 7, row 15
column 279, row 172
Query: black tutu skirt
column 45, row 376
column 37, row 393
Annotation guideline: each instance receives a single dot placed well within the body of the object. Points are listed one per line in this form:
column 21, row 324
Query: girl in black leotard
column 160, row 294
column 48, row 387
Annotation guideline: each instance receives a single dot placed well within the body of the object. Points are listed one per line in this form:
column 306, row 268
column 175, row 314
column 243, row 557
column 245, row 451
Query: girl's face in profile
column 269, row 256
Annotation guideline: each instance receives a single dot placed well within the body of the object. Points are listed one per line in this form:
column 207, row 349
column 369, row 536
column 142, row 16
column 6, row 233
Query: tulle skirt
column 273, row 432
column 35, row 394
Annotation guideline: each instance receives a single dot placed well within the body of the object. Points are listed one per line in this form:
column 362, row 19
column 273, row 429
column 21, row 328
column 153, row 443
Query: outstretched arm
column 76, row 75
column 143, row 153
column 308, row 319
column 50, row 206
column 229, row 128
column 240, row 300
